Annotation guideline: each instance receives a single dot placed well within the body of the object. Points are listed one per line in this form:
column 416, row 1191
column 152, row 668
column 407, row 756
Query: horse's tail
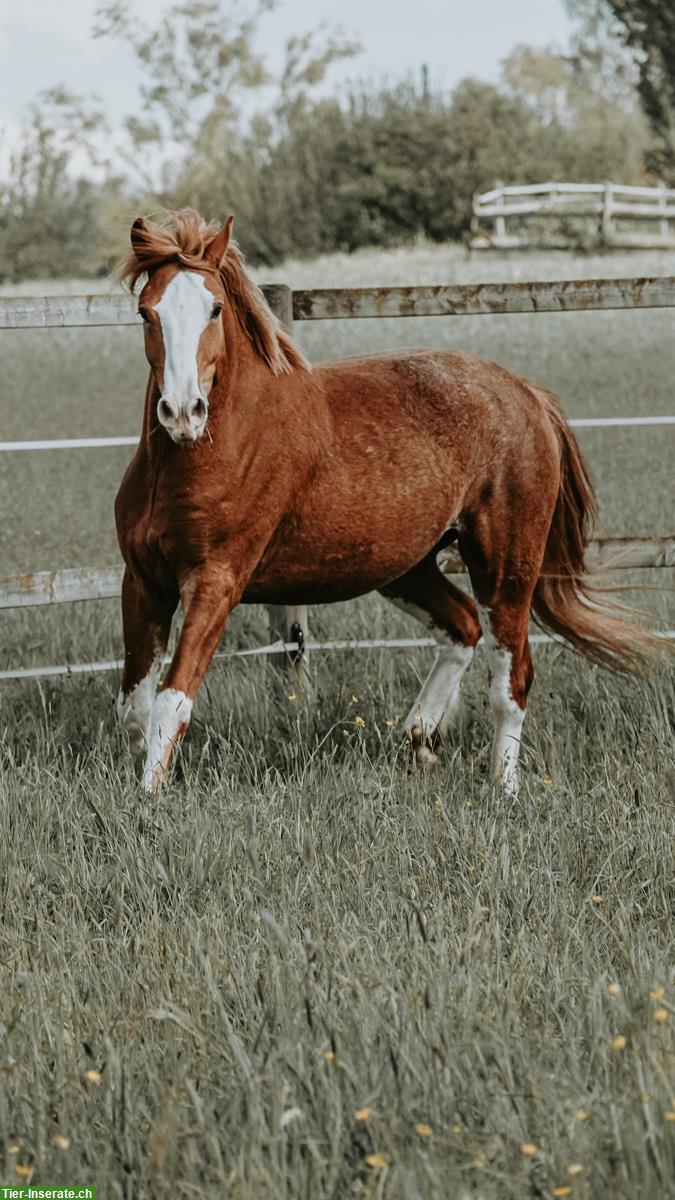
column 565, row 601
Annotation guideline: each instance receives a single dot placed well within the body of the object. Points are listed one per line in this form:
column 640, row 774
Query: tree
column 646, row 28
column 50, row 215
column 649, row 30
column 199, row 66
column 208, row 116
column 586, row 101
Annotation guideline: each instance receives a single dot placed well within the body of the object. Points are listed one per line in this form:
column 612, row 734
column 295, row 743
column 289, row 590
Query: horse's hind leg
column 504, row 556
column 511, row 675
column 451, row 616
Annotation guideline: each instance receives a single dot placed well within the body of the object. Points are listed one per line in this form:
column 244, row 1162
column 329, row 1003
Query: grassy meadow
column 305, row 971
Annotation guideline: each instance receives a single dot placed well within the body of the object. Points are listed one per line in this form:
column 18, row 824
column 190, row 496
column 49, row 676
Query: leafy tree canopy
column 646, row 29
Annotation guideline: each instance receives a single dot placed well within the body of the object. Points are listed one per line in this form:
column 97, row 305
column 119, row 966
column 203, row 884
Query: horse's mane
column 183, row 238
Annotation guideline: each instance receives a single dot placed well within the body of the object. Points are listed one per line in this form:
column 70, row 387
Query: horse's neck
column 151, row 426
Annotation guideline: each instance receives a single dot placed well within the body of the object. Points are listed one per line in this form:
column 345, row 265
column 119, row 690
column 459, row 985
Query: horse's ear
column 217, row 247
column 139, row 233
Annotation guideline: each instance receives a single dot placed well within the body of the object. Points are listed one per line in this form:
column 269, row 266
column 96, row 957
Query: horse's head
column 181, row 307
column 193, row 271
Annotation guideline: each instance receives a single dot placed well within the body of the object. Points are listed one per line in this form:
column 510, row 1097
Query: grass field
column 304, row 971
column 299, row 930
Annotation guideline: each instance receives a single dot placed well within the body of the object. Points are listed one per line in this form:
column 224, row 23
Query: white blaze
column 184, row 312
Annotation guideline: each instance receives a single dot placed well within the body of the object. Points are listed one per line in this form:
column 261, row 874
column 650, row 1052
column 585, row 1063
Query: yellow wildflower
column 376, row 1161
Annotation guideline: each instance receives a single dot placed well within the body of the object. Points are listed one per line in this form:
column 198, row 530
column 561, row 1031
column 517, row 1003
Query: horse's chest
column 177, row 536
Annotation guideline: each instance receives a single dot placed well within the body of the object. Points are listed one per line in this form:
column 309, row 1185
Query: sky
column 47, row 42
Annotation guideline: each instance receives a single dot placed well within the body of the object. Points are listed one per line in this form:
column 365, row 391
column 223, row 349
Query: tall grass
column 300, row 930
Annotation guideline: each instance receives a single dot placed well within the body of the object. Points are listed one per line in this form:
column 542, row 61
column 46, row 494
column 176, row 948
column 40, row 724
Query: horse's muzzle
column 183, row 422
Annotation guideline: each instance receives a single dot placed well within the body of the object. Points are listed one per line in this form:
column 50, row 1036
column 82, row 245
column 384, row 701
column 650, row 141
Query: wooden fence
column 289, row 627
column 616, row 210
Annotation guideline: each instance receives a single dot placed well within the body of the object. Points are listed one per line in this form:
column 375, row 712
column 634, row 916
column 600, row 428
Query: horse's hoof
column 137, row 740
column 424, row 758
column 153, row 779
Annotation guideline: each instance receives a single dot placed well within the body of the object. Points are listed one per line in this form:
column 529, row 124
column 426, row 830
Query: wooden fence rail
column 290, row 625
column 36, row 588
column 334, row 304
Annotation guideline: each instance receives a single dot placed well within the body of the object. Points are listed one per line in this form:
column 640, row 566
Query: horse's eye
column 144, row 314
column 217, row 309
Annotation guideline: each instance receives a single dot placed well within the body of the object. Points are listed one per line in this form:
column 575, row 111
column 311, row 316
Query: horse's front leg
column 146, row 620
column 208, row 596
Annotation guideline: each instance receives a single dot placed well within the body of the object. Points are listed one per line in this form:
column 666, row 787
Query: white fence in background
column 619, row 212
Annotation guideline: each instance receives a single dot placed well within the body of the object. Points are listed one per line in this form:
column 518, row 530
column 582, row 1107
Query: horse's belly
column 324, row 582
column 320, row 556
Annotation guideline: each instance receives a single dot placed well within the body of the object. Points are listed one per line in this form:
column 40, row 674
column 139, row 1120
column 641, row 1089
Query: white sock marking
column 508, row 715
column 169, row 718
column 437, row 703
column 134, row 707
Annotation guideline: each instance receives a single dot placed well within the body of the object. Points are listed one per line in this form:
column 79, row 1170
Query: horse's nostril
column 164, row 411
column 198, row 409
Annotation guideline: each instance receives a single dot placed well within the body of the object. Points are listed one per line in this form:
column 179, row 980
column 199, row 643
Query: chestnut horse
column 260, row 479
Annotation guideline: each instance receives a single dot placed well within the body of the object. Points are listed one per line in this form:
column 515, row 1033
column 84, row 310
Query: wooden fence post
column 288, row 623
column 663, row 203
column 608, row 227
column 500, row 222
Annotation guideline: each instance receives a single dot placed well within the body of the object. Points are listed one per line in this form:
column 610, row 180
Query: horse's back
column 448, row 394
